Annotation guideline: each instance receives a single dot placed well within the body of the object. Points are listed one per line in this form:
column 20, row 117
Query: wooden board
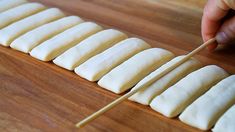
column 39, row 96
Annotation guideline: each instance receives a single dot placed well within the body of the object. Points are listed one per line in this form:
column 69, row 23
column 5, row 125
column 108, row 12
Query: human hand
column 219, row 21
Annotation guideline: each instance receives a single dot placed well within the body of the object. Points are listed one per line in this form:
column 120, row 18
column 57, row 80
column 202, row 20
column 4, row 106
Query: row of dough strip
column 91, row 46
column 202, row 97
column 99, row 65
column 130, row 72
column 145, row 96
column 13, row 31
column 8, row 4
column 33, row 38
column 58, row 44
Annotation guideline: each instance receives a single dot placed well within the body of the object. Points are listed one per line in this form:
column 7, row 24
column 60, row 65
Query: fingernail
column 222, row 38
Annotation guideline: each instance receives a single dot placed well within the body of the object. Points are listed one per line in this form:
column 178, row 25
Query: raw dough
column 55, row 46
column 89, row 47
column 226, row 123
column 130, row 72
column 145, row 96
column 176, row 98
column 19, row 12
column 7, row 4
column 31, row 39
column 206, row 110
column 11, row 32
column 97, row 66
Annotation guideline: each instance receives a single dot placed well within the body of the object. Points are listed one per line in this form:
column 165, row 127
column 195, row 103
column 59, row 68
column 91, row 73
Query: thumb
column 226, row 33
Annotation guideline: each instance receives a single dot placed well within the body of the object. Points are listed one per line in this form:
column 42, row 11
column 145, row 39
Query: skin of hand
column 218, row 21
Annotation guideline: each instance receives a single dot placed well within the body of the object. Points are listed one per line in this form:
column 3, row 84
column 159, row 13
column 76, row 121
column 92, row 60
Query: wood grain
column 38, row 96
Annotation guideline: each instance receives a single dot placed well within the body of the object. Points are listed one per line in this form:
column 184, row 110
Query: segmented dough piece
column 19, row 12
column 176, row 98
column 55, row 46
column 89, row 47
column 11, row 32
column 31, row 39
column 7, row 4
column 226, row 122
column 145, row 96
column 206, row 110
column 130, row 72
column 97, row 66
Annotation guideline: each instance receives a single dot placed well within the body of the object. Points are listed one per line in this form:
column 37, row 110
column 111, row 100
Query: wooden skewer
column 141, row 87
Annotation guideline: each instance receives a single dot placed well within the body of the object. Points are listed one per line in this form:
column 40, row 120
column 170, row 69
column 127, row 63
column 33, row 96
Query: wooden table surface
column 38, row 96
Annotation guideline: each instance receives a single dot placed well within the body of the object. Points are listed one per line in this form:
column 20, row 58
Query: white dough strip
column 226, row 121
